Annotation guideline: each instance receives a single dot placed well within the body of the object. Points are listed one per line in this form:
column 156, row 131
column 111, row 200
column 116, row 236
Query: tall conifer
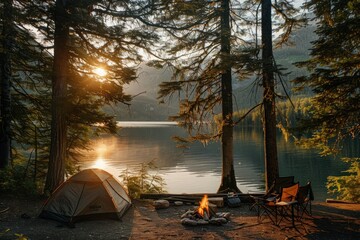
column 92, row 34
column 60, row 76
column 7, row 41
column 101, row 34
column 268, row 79
column 208, row 48
column 335, row 75
column 208, row 52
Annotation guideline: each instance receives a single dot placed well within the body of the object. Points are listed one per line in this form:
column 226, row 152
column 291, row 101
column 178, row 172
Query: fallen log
column 183, row 195
column 184, row 200
column 218, row 201
column 195, row 197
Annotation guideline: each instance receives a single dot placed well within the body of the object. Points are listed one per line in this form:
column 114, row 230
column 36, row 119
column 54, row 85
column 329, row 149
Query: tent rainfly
column 89, row 194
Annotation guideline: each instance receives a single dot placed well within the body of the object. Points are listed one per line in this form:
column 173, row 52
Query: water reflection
column 100, row 163
column 198, row 168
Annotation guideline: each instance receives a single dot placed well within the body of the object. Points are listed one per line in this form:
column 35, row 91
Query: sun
column 100, row 72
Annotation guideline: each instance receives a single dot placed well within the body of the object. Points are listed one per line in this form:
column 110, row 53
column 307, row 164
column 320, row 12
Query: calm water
column 198, row 168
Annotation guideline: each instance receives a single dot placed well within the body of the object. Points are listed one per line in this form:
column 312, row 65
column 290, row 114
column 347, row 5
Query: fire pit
column 204, row 214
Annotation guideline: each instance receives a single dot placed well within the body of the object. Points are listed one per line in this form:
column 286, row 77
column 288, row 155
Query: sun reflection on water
column 102, row 157
column 100, row 163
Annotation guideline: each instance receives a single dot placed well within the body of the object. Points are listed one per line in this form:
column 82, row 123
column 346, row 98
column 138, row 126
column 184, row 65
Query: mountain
column 146, row 107
column 248, row 92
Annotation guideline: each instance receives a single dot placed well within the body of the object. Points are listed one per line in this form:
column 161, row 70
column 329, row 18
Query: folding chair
column 284, row 206
column 304, row 198
column 272, row 193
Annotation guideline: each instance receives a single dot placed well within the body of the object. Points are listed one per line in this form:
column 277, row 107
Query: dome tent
column 89, row 194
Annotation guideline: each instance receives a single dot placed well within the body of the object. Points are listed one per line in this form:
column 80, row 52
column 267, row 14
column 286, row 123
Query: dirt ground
column 142, row 221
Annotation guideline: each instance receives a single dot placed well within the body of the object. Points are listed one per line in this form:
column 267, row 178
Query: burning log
column 203, row 209
column 204, row 214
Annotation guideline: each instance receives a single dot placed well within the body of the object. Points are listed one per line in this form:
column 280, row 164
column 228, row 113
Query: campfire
column 204, row 214
column 204, row 209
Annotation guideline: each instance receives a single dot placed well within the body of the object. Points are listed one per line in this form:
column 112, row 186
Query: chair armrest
column 282, row 203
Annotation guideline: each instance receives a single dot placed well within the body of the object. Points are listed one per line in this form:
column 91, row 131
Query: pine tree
column 207, row 52
column 101, row 34
column 58, row 144
column 287, row 20
column 335, row 75
column 7, row 42
column 334, row 115
column 28, row 90
column 228, row 181
column 204, row 62
column 268, row 79
column 86, row 40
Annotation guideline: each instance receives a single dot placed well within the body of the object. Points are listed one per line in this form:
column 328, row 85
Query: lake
column 197, row 169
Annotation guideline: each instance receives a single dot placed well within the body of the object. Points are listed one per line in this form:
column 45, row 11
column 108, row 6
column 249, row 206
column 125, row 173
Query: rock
column 218, row 221
column 188, row 221
column 202, row 222
column 160, row 204
column 223, row 215
column 188, row 214
column 178, row 203
column 206, row 216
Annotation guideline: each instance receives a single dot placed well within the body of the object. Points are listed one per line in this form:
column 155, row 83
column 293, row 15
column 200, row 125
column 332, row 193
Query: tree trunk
column 56, row 169
column 269, row 121
column 228, row 181
column 5, row 102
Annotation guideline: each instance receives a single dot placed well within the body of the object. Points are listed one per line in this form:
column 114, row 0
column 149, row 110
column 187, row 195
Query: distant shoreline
column 129, row 124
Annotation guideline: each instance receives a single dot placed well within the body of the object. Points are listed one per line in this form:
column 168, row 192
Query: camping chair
column 272, row 193
column 304, row 198
column 282, row 207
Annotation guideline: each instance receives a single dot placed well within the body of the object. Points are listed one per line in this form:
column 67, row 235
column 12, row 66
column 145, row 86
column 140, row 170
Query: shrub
column 141, row 181
column 346, row 187
column 14, row 180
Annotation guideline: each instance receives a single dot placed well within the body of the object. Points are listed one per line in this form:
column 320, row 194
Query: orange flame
column 204, row 206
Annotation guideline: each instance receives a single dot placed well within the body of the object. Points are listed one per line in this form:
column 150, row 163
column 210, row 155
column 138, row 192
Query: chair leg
column 266, row 211
column 304, row 208
column 287, row 213
column 292, row 215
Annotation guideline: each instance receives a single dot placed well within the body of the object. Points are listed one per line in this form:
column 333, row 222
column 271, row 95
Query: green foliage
column 334, row 78
column 141, row 181
column 14, row 180
column 347, row 187
column 334, row 114
column 288, row 113
column 92, row 43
